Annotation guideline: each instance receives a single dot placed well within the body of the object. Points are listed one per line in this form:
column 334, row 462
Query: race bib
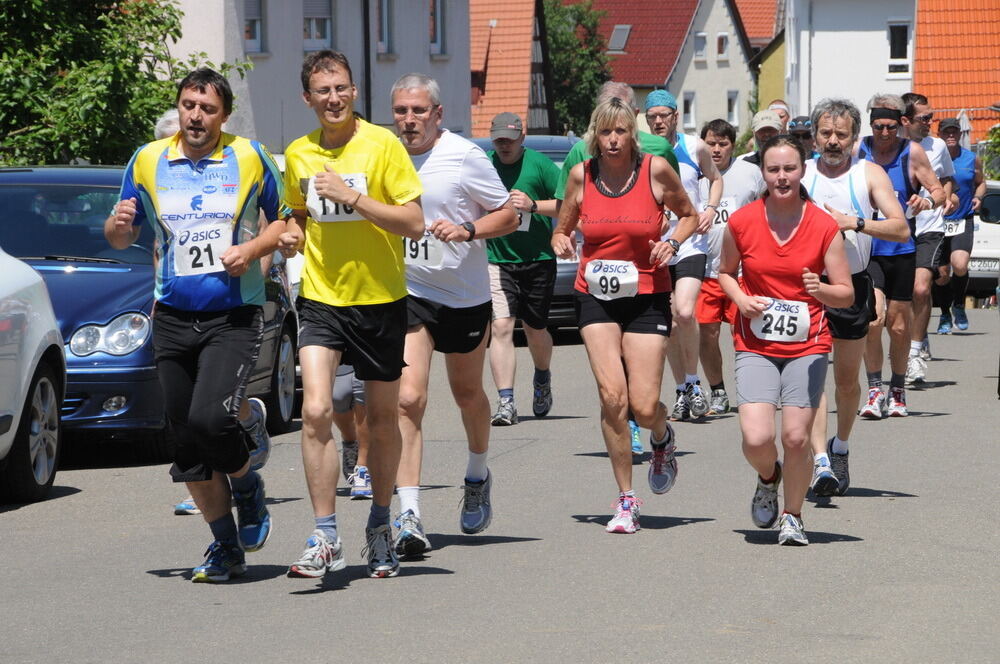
column 727, row 206
column 610, row 280
column 524, row 217
column 784, row 321
column 199, row 250
column 954, row 227
column 425, row 252
column 323, row 210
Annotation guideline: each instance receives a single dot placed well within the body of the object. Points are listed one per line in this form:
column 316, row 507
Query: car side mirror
column 989, row 210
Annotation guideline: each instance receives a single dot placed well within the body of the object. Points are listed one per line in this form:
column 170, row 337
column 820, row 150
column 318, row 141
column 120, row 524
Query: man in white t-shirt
column 929, row 235
column 743, row 183
column 449, row 304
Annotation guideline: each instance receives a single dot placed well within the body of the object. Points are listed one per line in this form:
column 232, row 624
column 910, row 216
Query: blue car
column 53, row 219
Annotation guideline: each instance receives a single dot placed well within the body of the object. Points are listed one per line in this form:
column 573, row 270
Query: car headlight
column 121, row 336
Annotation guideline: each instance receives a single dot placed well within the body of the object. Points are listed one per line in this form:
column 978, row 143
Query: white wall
column 269, row 103
column 840, row 48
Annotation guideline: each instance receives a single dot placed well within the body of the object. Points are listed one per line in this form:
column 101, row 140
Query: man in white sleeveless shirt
column 849, row 189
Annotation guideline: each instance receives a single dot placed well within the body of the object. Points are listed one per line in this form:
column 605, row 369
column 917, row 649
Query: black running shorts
column 454, row 330
column 643, row 314
column 893, row 275
column 852, row 322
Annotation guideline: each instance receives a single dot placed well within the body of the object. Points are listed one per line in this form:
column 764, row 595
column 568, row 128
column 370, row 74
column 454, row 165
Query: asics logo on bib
column 782, row 307
column 199, row 236
column 196, row 203
column 599, row 267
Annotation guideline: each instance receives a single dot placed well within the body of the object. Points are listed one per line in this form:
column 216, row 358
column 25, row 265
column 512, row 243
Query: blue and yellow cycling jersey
column 199, row 210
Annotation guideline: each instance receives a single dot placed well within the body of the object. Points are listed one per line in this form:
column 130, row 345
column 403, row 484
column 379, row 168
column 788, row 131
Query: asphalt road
column 903, row 569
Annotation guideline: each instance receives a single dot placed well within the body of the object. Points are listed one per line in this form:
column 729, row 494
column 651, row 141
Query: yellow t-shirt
column 349, row 260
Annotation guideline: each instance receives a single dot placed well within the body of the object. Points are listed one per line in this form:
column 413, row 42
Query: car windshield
column 64, row 221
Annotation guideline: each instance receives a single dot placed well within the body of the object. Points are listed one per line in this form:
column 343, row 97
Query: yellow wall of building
column 771, row 81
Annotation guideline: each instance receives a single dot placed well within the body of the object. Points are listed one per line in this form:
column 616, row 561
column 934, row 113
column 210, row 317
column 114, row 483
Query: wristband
column 929, row 200
column 675, row 244
column 534, row 207
column 355, row 203
column 713, row 206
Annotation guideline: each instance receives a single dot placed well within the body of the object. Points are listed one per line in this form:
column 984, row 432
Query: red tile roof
column 655, row 41
column 504, row 53
column 758, row 19
column 956, row 61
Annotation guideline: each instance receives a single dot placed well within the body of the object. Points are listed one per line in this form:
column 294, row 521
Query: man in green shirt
column 648, row 143
column 522, row 267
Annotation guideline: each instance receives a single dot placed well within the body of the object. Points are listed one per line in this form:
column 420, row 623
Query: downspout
column 367, row 9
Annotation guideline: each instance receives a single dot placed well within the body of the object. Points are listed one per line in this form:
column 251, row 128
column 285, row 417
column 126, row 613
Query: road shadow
column 646, row 521
column 254, row 573
column 271, row 500
column 529, row 418
column 826, row 502
column 637, row 459
column 769, row 536
column 444, row 540
column 341, row 580
column 929, row 384
column 54, row 493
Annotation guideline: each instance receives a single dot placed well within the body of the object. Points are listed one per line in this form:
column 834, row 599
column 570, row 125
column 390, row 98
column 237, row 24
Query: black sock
column 897, row 380
column 224, row 528
column 941, row 296
column 958, row 287
column 720, row 386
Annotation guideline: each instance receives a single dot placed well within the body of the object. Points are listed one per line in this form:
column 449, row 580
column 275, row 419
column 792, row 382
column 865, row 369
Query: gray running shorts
column 781, row 381
column 348, row 390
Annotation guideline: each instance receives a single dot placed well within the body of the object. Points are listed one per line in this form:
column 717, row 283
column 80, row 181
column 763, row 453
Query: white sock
column 821, row 459
column 476, row 470
column 409, row 499
column 839, row 446
column 691, row 379
column 915, row 347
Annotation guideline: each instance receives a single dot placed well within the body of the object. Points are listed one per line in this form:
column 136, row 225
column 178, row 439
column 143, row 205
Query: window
column 722, row 46
column 437, row 27
column 317, row 25
column 253, row 26
column 688, row 114
column 700, row 42
column 619, row 36
column 899, row 48
column 383, row 26
column 733, row 108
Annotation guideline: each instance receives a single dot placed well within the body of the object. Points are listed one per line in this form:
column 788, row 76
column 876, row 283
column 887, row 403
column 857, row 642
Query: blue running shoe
column 961, row 320
column 944, row 325
column 360, row 482
column 411, row 539
column 258, row 432
column 186, row 506
column 222, row 561
column 252, row 517
column 636, row 437
column 541, row 402
column 477, row 511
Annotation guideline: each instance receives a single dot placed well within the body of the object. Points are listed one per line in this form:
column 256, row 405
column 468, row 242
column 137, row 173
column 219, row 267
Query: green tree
column 578, row 63
column 991, row 154
column 86, row 79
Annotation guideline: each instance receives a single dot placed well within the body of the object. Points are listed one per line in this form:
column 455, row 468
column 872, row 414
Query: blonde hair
column 611, row 113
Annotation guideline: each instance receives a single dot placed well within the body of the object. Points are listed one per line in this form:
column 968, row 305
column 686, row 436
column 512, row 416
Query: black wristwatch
column 471, row 228
column 860, row 227
column 675, row 244
column 534, row 207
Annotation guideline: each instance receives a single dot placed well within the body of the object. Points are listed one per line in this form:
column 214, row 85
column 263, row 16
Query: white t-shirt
column 742, row 183
column 686, row 151
column 937, row 152
column 849, row 194
column 460, row 185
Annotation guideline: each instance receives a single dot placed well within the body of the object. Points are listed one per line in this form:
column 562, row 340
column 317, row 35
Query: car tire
column 280, row 400
column 31, row 466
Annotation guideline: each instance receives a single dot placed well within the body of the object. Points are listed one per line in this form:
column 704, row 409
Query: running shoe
column 349, row 458
column 840, row 468
column 961, row 320
column 696, row 399
column 410, row 538
column 636, row 437
column 824, row 481
column 874, row 409
column 186, row 506
column 541, row 404
column 252, row 517
column 764, row 506
column 720, row 403
column 682, row 408
column 477, row 511
column 925, row 350
column 321, row 556
column 258, row 432
column 791, row 532
column 382, row 560
column 222, row 561
column 626, row 518
column 360, row 482
column 897, row 402
column 916, row 370
column 663, row 464
column 506, row 414
column 944, row 324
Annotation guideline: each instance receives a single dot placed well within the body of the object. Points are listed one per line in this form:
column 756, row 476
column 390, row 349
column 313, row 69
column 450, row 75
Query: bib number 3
column 610, row 280
column 784, row 321
column 199, row 250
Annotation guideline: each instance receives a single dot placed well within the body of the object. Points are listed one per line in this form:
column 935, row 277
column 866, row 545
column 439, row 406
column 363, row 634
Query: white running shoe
column 874, row 409
column 791, row 532
column 626, row 518
column 916, row 370
column 897, row 402
column 321, row 555
column 764, row 505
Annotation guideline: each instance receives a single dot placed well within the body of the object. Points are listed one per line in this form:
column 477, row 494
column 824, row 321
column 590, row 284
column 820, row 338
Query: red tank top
column 619, row 228
column 775, row 271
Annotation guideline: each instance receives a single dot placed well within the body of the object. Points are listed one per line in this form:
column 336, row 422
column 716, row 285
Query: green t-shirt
column 537, row 176
column 648, row 143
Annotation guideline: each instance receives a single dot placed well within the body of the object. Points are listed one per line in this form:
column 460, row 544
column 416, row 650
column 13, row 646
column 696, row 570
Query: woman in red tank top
column 783, row 243
column 623, row 289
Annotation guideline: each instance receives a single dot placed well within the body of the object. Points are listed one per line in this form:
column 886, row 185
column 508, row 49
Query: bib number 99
column 609, row 285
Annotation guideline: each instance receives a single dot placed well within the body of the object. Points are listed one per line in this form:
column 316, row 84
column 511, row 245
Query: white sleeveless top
column 686, row 151
column 848, row 194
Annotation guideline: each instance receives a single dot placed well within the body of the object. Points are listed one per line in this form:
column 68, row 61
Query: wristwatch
column 471, row 228
column 675, row 244
column 534, row 207
column 860, row 227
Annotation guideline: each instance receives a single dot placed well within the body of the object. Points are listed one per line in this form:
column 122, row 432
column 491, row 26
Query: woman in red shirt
column 623, row 289
column 783, row 243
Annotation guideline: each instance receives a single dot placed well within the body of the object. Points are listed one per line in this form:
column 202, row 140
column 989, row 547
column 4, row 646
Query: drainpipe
column 367, row 10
